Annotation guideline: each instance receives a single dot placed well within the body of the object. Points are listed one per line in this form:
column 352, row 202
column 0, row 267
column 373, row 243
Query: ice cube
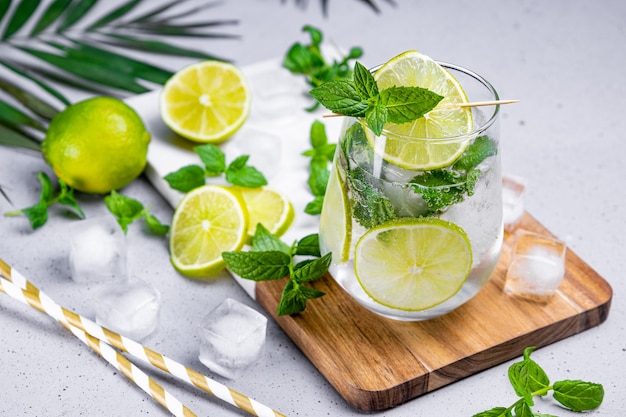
column 97, row 251
column 263, row 148
column 231, row 338
column 537, row 266
column 513, row 190
column 131, row 308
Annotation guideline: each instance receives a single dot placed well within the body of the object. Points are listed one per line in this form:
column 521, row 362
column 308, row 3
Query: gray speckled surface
column 563, row 59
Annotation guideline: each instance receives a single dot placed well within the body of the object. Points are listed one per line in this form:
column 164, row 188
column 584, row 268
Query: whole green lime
column 97, row 145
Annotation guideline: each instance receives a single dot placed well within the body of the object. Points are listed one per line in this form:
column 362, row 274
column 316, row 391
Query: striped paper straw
column 113, row 357
column 39, row 300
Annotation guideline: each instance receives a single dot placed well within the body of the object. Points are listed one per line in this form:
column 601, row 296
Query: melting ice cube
column 97, row 250
column 131, row 309
column 537, row 266
column 513, row 190
column 231, row 338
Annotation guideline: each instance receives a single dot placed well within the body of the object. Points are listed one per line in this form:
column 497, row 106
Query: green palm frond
column 66, row 42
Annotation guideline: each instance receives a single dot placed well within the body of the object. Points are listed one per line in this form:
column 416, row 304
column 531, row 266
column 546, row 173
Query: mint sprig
column 37, row 214
column 272, row 259
column 237, row 172
column 321, row 154
column 361, row 97
column 529, row 380
column 308, row 60
column 126, row 210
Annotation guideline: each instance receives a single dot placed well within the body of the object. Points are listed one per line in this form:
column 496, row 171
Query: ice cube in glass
column 537, row 266
column 130, row 309
column 513, row 190
column 97, row 251
column 231, row 338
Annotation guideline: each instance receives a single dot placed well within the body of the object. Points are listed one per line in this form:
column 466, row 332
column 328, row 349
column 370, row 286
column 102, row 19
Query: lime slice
column 208, row 220
column 336, row 219
column 413, row 69
column 413, row 264
column 206, row 102
column 268, row 207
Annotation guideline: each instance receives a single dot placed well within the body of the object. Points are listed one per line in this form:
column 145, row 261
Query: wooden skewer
column 453, row 105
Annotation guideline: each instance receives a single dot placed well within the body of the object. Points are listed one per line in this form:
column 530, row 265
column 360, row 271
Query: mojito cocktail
column 413, row 215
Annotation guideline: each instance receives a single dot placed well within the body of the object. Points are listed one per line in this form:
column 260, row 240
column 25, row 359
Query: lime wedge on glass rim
column 413, row 264
column 418, row 145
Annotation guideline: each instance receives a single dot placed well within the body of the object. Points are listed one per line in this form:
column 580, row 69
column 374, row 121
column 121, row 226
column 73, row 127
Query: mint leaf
column 318, row 137
column 439, row 189
column 522, row 409
column 312, row 270
column 527, row 377
column 309, row 245
column 376, row 116
column 294, row 297
column 364, row 82
column 213, row 159
column 482, row 148
column 495, row 412
column 258, row 266
column 125, row 209
column 370, row 207
column 66, row 197
column 340, row 97
column 37, row 215
column 314, row 206
column 263, row 240
column 406, row 104
column 578, row 395
column 318, row 178
column 186, row 178
column 244, row 175
column 155, row 226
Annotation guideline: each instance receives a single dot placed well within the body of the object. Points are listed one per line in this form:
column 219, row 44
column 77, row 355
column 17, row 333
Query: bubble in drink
column 231, row 338
column 513, row 190
column 131, row 309
column 97, row 251
column 537, row 266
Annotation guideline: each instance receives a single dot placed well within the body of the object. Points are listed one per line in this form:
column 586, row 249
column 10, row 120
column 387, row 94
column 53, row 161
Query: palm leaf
column 36, row 105
column 21, row 14
column 75, row 13
column 10, row 137
column 37, row 80
column 12, row 117
column 50, row 15
column 114, row 15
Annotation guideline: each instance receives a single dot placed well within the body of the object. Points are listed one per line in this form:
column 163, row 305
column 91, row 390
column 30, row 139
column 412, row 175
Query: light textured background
column 563, row 59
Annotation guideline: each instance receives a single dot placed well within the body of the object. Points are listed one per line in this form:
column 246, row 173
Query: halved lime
column 268, row 207
column 413, row 264
column 336, row 219
column 413, row 69
column 208, row 220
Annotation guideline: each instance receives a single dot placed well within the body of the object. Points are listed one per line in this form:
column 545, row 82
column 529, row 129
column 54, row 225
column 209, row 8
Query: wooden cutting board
column 376, row 363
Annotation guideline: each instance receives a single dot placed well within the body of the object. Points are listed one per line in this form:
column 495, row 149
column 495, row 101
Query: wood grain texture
column 377, row 363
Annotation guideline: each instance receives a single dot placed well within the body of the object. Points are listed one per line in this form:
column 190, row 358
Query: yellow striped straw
column 40, row 301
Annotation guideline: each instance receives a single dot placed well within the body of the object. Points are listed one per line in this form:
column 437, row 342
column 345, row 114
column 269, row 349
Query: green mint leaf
column 439, row 189
column 292, row 300
column 312, row 270
column 340, row 97
column 264, row 240
column 316, row 35
column 125, row 209
column 314, row 206
column 155, row 226
column 495, row 412
column 186, row 178
column 318, row 178
column 244, row 175
column 318, row 137
column 47, row 189
column 522, row 409
column 364, row 82
column 310, row 293
column 66, row 197
column 482, row 148
column 369, row 205
column 578, row 395
column 258, row 266
column 376, row 116
column 298, row 59
column 213, row 159
column 37, row 215
column 405, row 104
column 527, row 377
column 309, row 245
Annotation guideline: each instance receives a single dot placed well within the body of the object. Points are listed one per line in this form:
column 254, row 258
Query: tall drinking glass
column 413, row 241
